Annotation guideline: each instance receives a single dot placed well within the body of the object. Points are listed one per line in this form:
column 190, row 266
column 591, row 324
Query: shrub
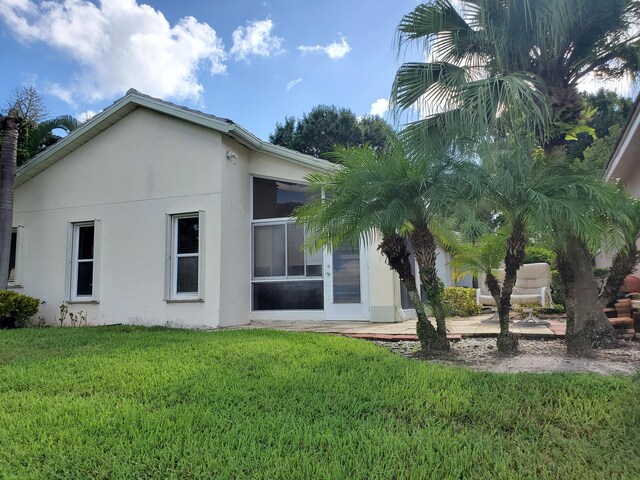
column 537, row 254
column 549, row 309
column 460, row 301
column 16, row 309
column 555, row 308
column 557, row 293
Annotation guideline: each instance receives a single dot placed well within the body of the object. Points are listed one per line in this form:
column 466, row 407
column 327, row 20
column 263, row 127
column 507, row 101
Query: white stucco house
column 152, row 213
column 624, row 166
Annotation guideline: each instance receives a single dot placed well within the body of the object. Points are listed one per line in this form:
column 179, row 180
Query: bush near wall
column 460, row 302
column 16, row 309
column 537, row 254
column 557, row 293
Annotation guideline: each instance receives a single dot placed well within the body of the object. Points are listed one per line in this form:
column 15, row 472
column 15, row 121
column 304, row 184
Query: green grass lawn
column 129, row 402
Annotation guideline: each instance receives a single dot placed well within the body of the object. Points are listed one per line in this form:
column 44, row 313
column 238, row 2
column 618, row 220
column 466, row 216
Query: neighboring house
column 624, row 164
column 153, row 213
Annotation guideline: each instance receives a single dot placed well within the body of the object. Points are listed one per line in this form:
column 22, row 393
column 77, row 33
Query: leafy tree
column 608, row 111
column 42, row 135
column 29, row 109
column 285, row 133
column 325, row 127
column 35, row 130
column 597, row 154
column 500, row 67
column 25, row 132
column 376, row 132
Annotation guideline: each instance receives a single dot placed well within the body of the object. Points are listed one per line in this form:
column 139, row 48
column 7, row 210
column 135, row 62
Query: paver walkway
column 456, row 328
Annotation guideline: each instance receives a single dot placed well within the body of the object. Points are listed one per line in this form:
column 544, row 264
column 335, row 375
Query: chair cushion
column 520, row 299
column 487, row 300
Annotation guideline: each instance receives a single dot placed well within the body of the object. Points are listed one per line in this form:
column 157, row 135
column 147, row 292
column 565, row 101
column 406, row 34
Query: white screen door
column 345, row 290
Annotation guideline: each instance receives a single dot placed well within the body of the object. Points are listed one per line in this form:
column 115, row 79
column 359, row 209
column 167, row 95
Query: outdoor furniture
column 533, row 286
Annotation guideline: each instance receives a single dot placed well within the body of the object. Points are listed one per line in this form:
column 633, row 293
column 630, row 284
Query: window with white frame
column 83, row 261
column 284, row 275
column 184, row 272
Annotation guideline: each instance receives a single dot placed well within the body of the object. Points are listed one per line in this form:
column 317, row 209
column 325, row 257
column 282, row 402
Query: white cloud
column 60, row 92
column 335, row 50
column 255, row 40
column 293, row 83
column 119, row 44
column 379, row 107
column 85, row 116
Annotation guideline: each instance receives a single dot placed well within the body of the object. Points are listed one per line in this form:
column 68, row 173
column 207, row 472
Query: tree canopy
column 607, row 112
column 36, row 131
column 325, row 127
column 513, row 69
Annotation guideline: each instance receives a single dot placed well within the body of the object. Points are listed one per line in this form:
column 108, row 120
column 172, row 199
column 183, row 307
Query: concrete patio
column 457, row 328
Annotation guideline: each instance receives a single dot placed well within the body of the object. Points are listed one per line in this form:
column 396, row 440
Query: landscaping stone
column 533, row 356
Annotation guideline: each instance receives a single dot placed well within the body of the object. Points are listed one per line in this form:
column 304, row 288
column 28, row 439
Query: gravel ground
column 533, row 356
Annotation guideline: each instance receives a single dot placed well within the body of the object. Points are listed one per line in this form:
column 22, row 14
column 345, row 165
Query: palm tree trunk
column 567, row 278
column 493, row 285
column 8, row 153
column 507, row 341
column 424, row 245
column 587, row 326
column 622, row 265
column 394, row 248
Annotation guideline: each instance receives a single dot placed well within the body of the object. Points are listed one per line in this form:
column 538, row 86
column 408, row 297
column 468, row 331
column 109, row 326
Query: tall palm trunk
column 587, row 324
column 507, row 341
column 567, row 278
column 394, row 248
column 494, row 287
column 424, row 246
column 8, row 154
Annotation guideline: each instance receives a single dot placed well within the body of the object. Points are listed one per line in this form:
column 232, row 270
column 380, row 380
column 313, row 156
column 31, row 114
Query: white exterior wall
column 130, row 176
column 631, row 181
column 383, row 302
column 385, row 297
column 235, row 261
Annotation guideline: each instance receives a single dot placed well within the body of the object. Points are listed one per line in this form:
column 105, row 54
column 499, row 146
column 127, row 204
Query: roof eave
column 628, row 129
column 134, row 99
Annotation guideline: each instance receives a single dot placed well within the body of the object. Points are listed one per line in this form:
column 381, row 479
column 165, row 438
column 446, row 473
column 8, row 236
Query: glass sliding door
column 284, row 276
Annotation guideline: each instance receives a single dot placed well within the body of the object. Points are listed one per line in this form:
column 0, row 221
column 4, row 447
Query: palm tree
column 397, row 198
column 8, row 153
column 528, row 192
column 481, row 258
column 33, row 138
column 348, row 210
column 626, row 257
column 501, row 66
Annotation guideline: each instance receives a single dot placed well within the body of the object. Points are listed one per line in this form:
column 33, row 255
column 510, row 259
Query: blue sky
column 253, row 61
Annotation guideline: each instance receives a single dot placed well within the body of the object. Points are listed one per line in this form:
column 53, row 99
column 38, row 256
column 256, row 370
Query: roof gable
column 627, row 147
column 133, row 100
